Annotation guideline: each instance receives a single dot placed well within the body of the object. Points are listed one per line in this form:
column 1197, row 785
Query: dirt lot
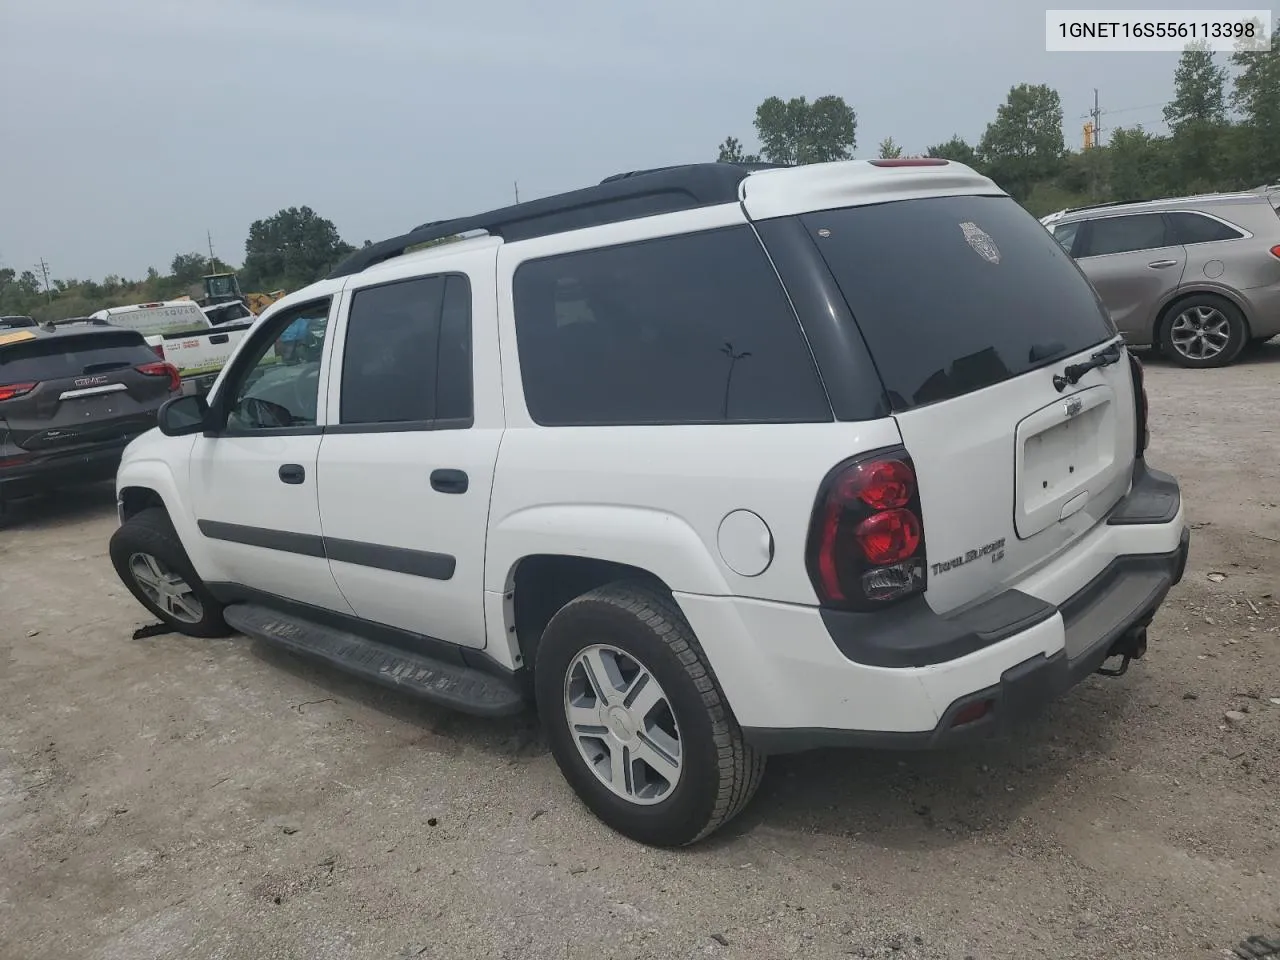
column 178, row 798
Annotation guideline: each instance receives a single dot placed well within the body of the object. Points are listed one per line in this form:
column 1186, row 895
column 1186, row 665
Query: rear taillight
column 1140, row 402
column 10, row 390
column 163, row 370
column 1275, row 251
column 866, row 540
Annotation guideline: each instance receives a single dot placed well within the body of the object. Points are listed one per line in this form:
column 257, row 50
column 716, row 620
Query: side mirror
column 183, row 416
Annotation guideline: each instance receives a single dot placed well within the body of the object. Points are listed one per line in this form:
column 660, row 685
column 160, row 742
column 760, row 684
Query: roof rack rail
column 624, row 196
column 1108, row 203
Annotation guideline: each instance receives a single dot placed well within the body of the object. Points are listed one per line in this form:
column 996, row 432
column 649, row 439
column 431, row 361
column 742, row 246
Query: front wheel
column 1203, row 331
column 636, row 720
column 150, row 561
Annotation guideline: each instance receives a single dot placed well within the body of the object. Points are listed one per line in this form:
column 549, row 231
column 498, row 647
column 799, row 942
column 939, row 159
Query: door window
column 1195, row 228
column 277, row 385
column 1144, row 231
column 688, row 329
column 407, row 357
column 1065, row 234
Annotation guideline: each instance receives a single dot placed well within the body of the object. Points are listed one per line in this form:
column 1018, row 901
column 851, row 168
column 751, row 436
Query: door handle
column 449, row 481
column 1161, row 264
column 292, row 473
column 220, row 338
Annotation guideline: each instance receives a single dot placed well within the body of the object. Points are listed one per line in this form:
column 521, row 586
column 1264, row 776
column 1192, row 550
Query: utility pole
column 44, row 270
column 1092, row 139
column 1096, row 114
column 517, row 186
column 213, row 261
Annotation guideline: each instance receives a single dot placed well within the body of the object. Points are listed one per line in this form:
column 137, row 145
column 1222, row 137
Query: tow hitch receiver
column 1131, row 646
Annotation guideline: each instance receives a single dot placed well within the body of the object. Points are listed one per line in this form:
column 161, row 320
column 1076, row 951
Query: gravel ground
column 179, row 798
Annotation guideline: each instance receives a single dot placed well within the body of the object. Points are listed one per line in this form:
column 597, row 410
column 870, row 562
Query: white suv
column 707, row 463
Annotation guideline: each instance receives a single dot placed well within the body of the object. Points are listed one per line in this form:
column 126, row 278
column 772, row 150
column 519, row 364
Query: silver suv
column 1196, row 277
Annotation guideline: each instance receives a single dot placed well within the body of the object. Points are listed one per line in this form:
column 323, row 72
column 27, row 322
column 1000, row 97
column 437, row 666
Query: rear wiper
column 1071, row 376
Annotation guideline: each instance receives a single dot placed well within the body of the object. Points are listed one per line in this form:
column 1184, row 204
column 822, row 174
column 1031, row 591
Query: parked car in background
column 17, row 322
column 181, row 332
column 71, row 399
column 1196, row 277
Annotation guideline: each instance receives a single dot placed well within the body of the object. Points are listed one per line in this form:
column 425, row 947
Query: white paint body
column 657, row 497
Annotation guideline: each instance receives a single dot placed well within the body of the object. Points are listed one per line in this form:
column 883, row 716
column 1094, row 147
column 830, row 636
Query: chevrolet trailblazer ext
column 706, row 463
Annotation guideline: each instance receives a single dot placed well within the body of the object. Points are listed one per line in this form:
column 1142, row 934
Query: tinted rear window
column 954, row 294
column 57, row 358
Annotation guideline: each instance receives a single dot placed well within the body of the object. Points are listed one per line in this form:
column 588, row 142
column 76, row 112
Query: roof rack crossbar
column 624, row 196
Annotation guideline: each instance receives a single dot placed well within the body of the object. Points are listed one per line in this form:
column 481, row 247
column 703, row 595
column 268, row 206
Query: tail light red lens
column 1275, row 251
column 163, row 370
column 10, row 390
column 866, row 544
column 881, row 484
column 889, row 537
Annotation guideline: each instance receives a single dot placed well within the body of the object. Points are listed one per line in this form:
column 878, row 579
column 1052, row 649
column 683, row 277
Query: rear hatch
column 969, row 309
column 70, row 389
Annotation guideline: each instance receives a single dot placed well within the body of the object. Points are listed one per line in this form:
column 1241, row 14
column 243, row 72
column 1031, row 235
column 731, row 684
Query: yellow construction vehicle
column 222, row 288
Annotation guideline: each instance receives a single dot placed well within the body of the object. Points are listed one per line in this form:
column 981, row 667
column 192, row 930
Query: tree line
column 1224, row 134
column 286, row 251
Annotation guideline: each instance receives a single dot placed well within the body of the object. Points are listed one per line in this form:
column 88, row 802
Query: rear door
column 406, row 472
column 969, row 307
column 1135, row 265
column 71, row 389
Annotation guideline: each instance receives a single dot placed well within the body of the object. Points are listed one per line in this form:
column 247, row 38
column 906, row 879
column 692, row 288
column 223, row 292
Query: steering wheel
column 264, row 413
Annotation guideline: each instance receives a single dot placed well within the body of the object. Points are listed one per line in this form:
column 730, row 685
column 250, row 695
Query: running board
column 452, row 685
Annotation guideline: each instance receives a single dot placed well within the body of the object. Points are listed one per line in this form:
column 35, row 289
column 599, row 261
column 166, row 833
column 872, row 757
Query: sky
column 132, row 128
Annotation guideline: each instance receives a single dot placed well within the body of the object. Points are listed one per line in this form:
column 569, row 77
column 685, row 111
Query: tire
column 718, row 771
column 150, row 534
column 1192, row 330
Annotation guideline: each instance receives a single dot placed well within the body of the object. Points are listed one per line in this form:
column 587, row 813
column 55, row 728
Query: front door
column 1134, row 265
column 407, row 461
column 253, row 479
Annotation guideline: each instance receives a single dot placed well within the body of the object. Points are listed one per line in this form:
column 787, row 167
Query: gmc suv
column 71, row 398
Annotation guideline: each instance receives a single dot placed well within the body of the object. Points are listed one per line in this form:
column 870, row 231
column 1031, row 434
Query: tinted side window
column 408, row 352
column 1194, row 228
column 1144, row 231
column 453, row 365
column 1066, row 233
column 688, row 329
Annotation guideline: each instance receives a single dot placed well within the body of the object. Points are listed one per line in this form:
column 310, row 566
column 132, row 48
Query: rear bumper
column 86, row 464
column 795, row 684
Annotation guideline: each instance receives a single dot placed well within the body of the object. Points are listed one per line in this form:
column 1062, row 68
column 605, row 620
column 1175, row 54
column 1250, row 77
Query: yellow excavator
column 222, row 293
